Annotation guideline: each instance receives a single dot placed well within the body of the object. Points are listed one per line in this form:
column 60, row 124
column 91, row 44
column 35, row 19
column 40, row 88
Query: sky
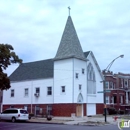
column 34, row 29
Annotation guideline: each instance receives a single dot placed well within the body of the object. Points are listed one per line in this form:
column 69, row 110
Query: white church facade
column 65, row 85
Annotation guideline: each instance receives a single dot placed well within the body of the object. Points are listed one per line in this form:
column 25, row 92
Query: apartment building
column 119, row 86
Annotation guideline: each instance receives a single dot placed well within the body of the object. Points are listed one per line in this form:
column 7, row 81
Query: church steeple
column 69, row 45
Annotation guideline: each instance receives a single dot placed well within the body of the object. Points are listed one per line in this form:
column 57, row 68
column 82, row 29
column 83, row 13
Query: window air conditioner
column 36, row 94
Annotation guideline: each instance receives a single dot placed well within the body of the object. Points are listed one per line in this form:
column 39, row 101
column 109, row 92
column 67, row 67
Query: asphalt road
column 38, row 126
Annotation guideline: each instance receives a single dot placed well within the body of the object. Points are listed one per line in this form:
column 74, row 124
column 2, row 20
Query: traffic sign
column 107, row 91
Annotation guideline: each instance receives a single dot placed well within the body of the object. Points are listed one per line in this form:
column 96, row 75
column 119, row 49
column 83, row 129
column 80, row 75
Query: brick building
column 119, row 86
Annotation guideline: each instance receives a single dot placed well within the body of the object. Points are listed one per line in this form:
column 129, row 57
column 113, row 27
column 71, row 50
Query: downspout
column 86, row 88
column 73, row 82
column 1, row 101
column 31, row 95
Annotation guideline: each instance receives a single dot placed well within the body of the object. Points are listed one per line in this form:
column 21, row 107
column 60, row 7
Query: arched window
column 80, row 98
column 91, row 88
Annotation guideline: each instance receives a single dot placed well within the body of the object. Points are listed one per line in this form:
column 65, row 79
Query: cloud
column 34, row 28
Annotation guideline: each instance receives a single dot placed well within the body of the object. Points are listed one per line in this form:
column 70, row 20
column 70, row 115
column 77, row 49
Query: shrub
column 49, row 118
column 121, row 112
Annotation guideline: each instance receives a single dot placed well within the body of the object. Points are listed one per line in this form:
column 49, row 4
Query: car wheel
column 13, row 119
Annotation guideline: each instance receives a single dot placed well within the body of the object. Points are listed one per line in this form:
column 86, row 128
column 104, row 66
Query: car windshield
column 23, row 112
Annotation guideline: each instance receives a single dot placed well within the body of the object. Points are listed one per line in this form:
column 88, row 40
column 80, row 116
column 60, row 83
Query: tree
column 7, row 57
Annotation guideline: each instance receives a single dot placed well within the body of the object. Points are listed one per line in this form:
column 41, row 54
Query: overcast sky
column 34, row 28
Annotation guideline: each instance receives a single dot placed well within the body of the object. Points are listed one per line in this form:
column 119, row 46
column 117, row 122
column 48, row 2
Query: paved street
column 38, row 126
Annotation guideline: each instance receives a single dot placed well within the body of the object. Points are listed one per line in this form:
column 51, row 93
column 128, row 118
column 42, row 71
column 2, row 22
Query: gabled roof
column 69, row 46
column 33, row 70
column 95, row 61
column 86, row 53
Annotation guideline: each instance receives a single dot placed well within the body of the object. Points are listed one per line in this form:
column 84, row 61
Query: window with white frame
column 76, row 75
column 49, row 90
column 63, row 89
column 91, row 88
column 12, row 92
column 83, row 71
column 94, row 79
column 111, row 85
column 80, row 87
column 129, row 84
column 114, row 86
column 38, row 90
column 112, row 100
column 26, row 92
column 106, row 85
column 121, row 83
column 121, row 99
column 126, row 83
column 107, row 99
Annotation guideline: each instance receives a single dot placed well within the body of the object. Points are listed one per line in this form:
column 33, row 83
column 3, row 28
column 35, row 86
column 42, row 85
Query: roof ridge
column 37, row 61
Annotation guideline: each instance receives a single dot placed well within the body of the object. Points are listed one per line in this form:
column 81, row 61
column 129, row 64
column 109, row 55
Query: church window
column 91, row 88
column 26, row 92
column 12, row 92
column 80, row 87
column 63, row 89
column 49, row 90
column 76, row 75
column 37, row 90
column 83, row 71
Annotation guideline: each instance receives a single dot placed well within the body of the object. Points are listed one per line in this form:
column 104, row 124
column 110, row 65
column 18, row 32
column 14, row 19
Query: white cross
column 69, row 10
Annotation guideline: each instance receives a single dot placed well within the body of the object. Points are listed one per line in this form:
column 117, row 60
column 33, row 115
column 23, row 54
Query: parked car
column 14, row 114
column 111, row 111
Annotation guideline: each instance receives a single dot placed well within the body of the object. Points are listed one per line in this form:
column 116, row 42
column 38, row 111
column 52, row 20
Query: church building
column 66, row 85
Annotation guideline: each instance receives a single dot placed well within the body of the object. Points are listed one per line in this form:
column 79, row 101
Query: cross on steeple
column 69, row 10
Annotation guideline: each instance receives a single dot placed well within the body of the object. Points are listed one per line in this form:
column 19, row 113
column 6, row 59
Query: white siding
column 19, row 97
column 78, row 66
column 63, row 75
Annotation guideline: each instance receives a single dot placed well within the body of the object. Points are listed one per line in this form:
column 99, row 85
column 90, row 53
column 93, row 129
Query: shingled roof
column 35, row 70
column 69, row 45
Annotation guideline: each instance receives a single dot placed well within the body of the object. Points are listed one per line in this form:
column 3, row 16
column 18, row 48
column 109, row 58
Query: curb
column 45, row 122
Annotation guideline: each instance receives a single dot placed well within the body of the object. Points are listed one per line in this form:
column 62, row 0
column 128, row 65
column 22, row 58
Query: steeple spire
column 69, row 46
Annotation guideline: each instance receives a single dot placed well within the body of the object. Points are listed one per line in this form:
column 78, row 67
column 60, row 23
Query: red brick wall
column 57, row 109
column 99, row 108
column 63, row 109
column 84, row 109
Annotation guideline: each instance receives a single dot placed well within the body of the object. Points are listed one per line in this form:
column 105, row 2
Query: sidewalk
column 94, row 120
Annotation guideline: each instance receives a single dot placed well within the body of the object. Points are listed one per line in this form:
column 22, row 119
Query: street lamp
column 104, row 85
